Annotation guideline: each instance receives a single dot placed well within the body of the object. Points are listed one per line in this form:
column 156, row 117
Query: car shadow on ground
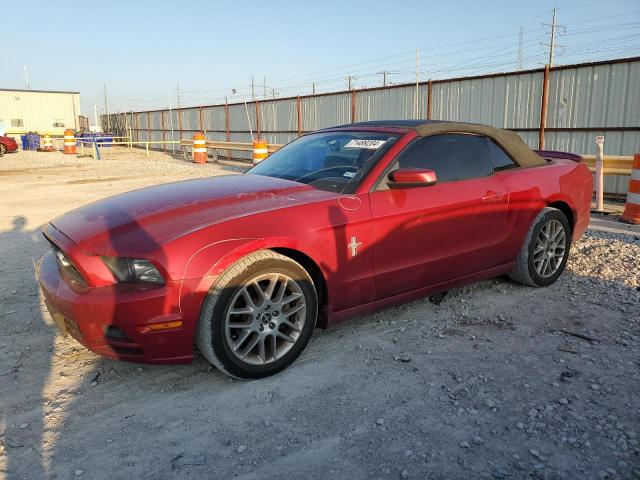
column 25, row 363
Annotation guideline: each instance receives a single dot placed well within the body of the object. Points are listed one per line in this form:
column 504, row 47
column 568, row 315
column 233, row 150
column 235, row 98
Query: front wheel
column 544, row 254
column 258, row 317
column 3, row 149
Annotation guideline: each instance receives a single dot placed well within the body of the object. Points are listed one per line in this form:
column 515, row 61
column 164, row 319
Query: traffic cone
column 260, row 150
column 199, row 148
column 632, row 207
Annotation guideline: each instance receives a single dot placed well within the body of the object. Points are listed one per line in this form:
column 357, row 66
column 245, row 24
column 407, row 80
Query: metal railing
column 613, row 164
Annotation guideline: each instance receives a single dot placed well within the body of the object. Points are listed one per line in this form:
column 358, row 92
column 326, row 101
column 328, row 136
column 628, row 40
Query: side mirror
column 412, row 178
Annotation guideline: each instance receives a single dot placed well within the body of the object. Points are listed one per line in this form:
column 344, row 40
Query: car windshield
column 334, row 161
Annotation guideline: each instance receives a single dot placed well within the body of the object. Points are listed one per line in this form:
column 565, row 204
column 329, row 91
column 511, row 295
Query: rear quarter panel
column 532, row 189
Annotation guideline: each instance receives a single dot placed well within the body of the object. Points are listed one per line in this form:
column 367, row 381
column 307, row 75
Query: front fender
column 208, row 263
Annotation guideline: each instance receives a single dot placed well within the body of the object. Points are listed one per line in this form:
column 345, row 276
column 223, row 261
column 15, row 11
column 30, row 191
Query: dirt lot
column 497, row 381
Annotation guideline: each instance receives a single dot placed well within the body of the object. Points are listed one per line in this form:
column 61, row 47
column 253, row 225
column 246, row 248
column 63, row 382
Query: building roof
column 36, row 91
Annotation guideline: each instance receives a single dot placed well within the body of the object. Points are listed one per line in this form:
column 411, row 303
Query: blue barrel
column 25, row 143
column 33, row 141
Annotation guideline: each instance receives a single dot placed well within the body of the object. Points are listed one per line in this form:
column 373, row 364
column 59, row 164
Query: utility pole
column 415, row 109
column 253, row 89
column 553, row 38
column 552, row 46
column 106, row 107
column 313, row 88
column 349, row 83
column 384, row 74
column 264, row 87
column 273, row 93
column 178, row 93
column 95, row 115
column 26, row 77
column 520, row 46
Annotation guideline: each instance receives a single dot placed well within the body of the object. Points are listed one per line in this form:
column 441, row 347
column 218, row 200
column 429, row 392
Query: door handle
column 491, row 196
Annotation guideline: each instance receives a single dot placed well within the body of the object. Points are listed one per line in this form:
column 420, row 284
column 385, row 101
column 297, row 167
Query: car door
column 427, row 235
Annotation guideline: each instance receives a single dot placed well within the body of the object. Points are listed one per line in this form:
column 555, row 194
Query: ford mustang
column 337, row 223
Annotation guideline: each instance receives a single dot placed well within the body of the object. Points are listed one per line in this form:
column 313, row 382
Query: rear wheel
column 544, row 254
column 258, row 317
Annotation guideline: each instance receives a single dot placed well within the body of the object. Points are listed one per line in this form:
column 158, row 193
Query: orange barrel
column 632, row 207
column 199, row 148
column 260, row 150
column 69, row 142
column 47, row 144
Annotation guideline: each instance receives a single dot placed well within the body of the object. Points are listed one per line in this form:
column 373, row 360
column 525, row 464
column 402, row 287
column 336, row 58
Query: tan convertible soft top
column 510, row 141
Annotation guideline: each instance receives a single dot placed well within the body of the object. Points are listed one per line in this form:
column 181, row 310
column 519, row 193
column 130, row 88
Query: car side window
column 452, row 156
column 499, row 158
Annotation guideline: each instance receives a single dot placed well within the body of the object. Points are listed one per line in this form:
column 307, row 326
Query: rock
column 520, row 426
column 477, row 440
column 595, row 386
column 533, row 413
column 380, row 421
column 464, row 444
column 183, row 460
column 500, row 473
column 534, row 452
column 242, row 449
column 489, row 403
column 402, row 358
column 77, row 473
column 404, row 473
column 108, row 440
column 23, row 426
column 563, row 401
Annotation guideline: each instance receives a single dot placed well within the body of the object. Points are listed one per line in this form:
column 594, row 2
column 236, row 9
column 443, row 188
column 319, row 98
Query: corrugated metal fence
column 583, row 101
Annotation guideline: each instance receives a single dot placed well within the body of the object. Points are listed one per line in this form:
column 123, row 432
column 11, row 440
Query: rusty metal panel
column 504, row 102
column 155, row 119
column 214, row 119
column 391, row 103
column 278, row 115
column 141, row 120
column 595, row 96
column 324, row 111
column 191, row 119
column 238, row 120
column 216, row 137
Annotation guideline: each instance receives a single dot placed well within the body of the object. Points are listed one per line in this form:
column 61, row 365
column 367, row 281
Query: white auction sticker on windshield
column 368, row 144
column 349, row 174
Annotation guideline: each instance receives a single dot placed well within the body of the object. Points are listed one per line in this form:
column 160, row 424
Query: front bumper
column 118, row 321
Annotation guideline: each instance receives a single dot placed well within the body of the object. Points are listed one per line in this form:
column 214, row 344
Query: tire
column 3, row 149
column 530, row 263
column 245, row 287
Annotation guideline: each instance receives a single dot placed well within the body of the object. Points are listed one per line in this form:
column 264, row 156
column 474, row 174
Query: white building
column 41, row 111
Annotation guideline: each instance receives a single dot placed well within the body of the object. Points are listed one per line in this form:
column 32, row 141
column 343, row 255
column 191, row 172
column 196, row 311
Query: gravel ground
column 496, row 381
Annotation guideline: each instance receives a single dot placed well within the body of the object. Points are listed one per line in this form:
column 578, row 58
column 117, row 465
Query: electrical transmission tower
column 520, row 46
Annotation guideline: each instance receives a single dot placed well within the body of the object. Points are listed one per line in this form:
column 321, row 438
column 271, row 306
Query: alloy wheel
column 265, row 318
column 549, row 249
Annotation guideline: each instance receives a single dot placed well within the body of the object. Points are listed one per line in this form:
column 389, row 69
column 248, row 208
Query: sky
column 152, row 54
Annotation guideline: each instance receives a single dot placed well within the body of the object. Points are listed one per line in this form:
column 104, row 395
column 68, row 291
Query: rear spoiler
column 554, row 155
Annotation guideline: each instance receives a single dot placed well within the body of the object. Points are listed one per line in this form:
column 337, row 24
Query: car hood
column 142, row 220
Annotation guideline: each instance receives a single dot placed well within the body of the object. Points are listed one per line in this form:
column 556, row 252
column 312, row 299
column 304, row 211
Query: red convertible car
column 337, row 223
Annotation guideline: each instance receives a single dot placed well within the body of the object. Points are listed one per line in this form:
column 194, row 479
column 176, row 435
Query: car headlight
column 133, row 270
